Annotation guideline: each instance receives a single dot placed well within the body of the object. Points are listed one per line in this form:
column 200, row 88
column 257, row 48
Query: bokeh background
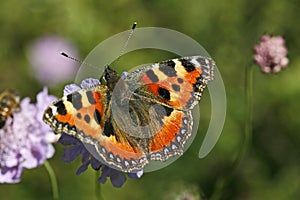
column 228, row 30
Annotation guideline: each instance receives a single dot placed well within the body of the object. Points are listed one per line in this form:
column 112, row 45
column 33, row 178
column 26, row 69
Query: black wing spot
column 164, row 93
column 168, row 68
column 61, row 108
column 78, row 115
column 176, row 87
column 87, row 119
column 170, row 63
column 90, row 97
column 168, row 110
column 97, row 116
column 75, row 99
column 49, row 112
column 180, row 80
column 198, row 84
column 162, row 111
column 108, row 129
column 152, row 76
column 189, row 67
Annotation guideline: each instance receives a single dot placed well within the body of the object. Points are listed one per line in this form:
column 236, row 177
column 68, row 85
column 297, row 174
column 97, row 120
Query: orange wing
column 170, row 89
column 85, row 114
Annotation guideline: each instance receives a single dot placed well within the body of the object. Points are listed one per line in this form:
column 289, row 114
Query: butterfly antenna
column 118, row 58
column 126, row 43
column 76, row 60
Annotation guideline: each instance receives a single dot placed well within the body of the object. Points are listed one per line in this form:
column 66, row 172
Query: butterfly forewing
column 178, row 83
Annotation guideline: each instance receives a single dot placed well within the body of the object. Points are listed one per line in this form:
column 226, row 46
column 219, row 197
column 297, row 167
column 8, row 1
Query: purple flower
column 124, row 74
column 48, row 65
column 271, row 54
column 25, row 141
column 76, row 148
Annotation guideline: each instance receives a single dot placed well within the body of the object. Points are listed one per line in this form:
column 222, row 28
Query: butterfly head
column 111, row 77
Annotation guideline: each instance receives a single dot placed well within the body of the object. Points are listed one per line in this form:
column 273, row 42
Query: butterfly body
column 145, row 116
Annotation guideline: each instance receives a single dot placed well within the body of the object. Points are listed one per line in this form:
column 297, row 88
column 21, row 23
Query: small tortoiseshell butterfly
column 145, row 116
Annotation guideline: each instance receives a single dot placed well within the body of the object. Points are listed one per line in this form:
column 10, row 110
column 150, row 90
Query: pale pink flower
column 271, row 54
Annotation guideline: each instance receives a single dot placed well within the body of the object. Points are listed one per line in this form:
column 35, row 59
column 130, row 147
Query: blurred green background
column 228, row 30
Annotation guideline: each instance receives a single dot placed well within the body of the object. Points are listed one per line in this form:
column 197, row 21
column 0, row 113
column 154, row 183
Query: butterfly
column 145, row 116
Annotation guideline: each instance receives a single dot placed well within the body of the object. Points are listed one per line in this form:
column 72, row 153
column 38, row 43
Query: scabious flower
column 76, row 148
column 49, row 67
column 271, row 54
column 25, row 141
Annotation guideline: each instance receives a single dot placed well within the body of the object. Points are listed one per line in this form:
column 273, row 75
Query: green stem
column 52, row 179
column 248, row 114
column 223, row 182
column 98, row 191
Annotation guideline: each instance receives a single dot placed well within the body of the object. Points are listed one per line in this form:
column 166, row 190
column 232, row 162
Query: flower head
column 271, row 54
column 25, row 141
column 76, row 148
column 48, row 65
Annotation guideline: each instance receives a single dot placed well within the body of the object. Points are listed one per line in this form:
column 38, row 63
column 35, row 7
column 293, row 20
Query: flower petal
column 11, row 175
column 124, row 75
column 71, row 152
column 83, row 167
column 71, row 88
column 68, row 139
column 117, row 178
column 139, row 174
column 96, row 164
column 89, row 82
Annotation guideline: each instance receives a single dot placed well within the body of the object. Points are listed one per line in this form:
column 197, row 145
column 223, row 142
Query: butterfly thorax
column 111, row 77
